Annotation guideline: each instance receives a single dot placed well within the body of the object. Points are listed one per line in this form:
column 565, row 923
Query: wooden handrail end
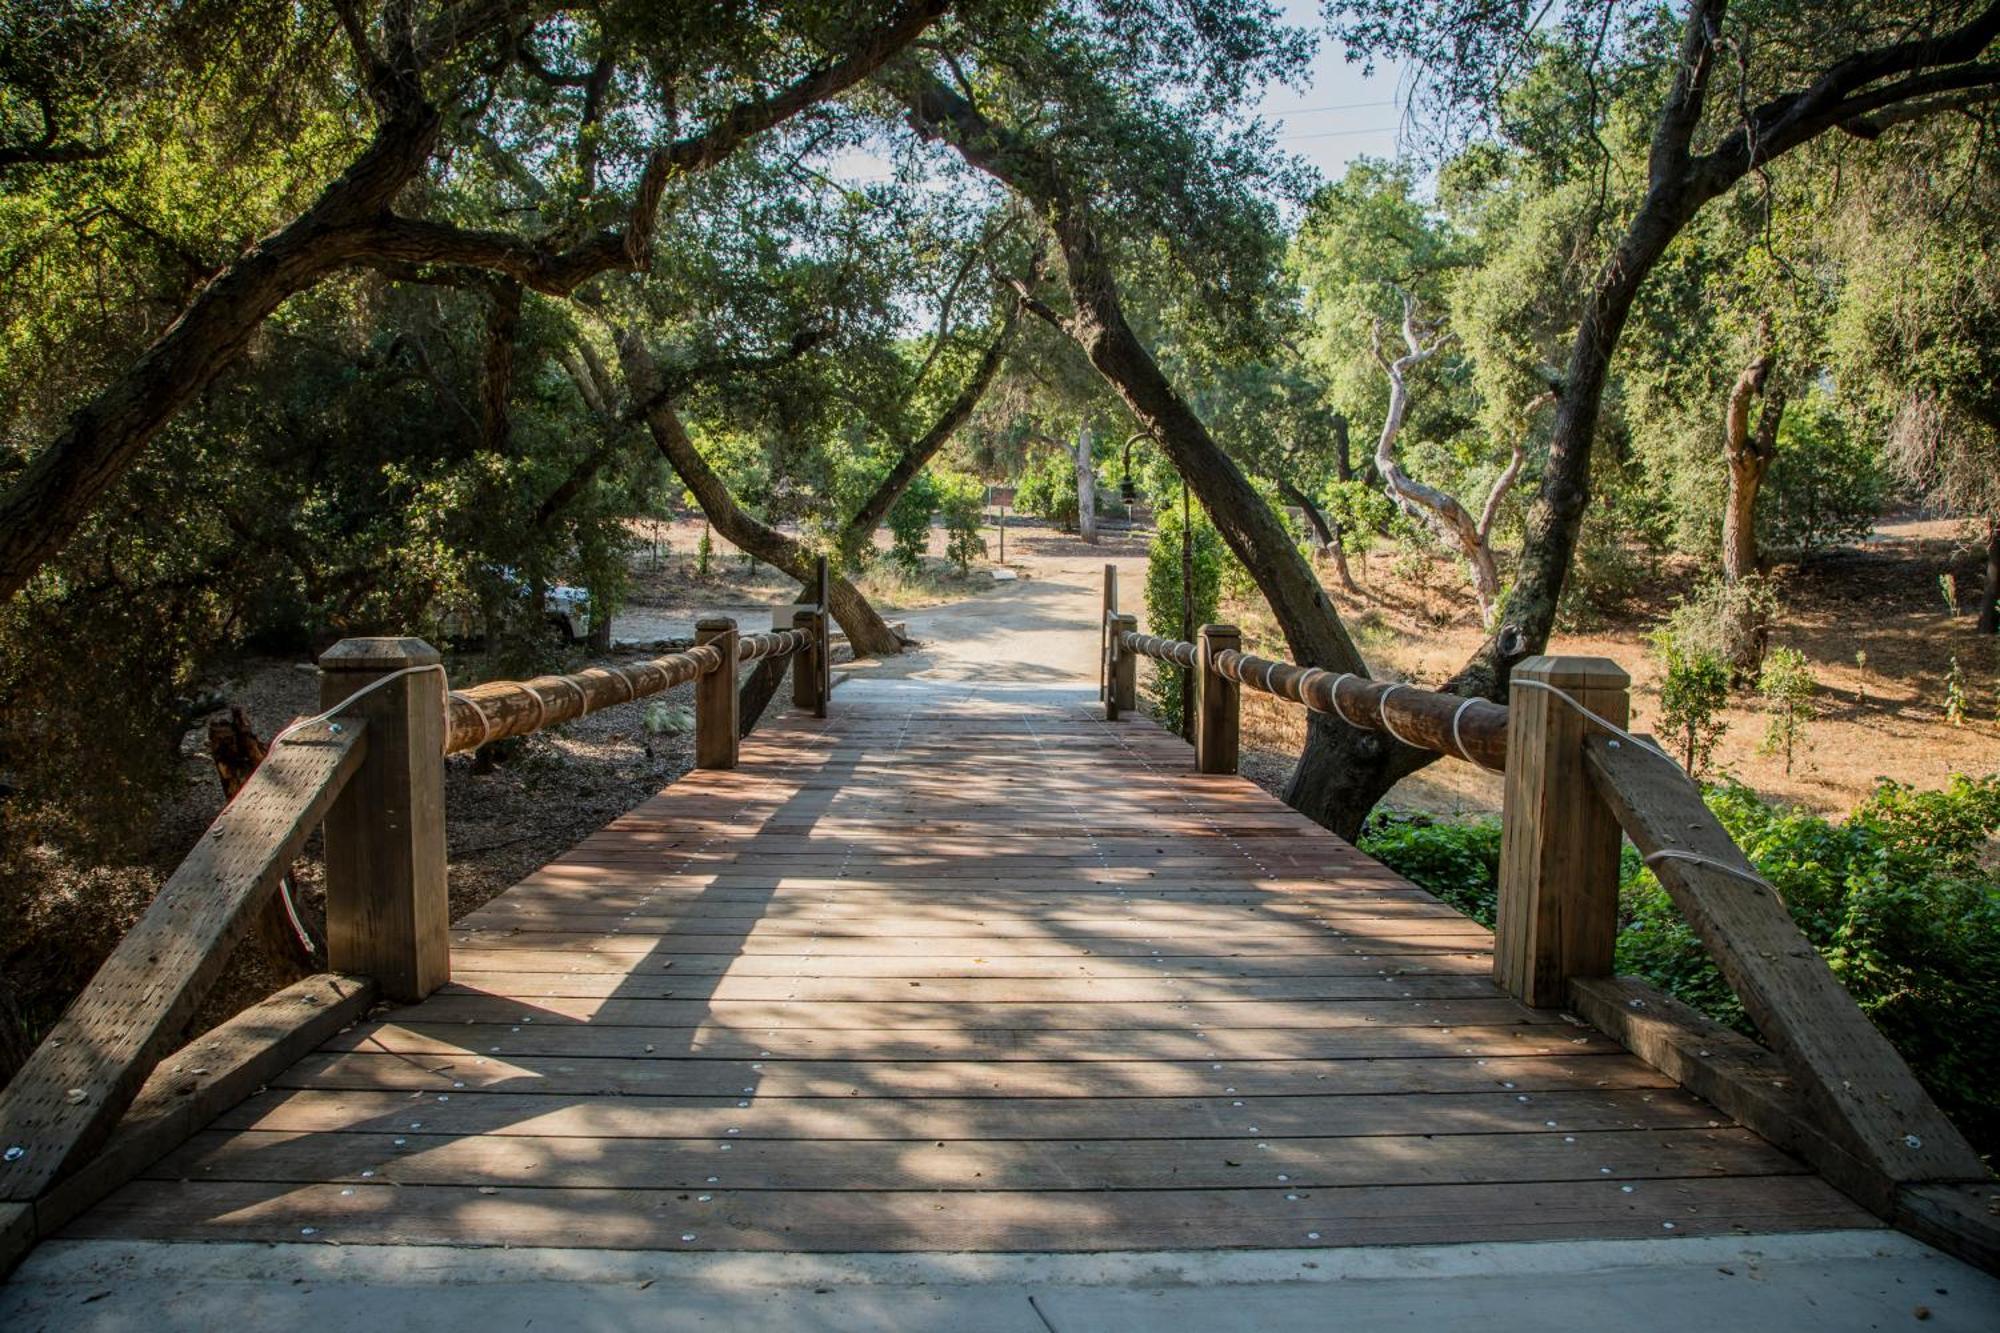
column 190, row 1088
column 1743, row 1079
column 1962, row 1218
column 1750, row 1084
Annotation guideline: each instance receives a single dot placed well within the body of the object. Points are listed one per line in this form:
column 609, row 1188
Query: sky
column 1340, row 114
column 1343, row 114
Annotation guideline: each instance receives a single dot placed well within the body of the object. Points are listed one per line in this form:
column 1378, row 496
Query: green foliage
column 1954, row 694
column 1458, row 860
column 1694, row 690
column 704, row 553
column 1361, row 512
column 962, row 504
column 1787, row 685
column 910, row 521
column 1166, row 611
column 1730, row 622
column 1826, row 485
column 1048, row 489
column 1897, row 898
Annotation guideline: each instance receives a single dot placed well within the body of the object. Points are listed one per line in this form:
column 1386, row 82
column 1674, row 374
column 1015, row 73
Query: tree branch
column 559, row 271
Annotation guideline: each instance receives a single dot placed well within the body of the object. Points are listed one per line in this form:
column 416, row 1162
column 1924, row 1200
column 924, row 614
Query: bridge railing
column 96, row 1102
column 1828, row 1086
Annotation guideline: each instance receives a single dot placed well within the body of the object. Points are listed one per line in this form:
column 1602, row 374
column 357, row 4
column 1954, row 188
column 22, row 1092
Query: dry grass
column 1886, row 720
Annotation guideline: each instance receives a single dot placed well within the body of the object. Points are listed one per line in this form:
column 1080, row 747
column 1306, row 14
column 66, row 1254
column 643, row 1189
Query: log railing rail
column 92, row 1106
column 1471, row 729
column 1829, row 1088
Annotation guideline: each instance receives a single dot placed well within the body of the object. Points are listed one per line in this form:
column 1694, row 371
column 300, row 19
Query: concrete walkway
column 1829, row 1282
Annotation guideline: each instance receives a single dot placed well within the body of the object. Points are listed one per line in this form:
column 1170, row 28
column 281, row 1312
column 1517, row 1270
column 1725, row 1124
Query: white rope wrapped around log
column 1472, row 729
column 778, row 643
column 503, row 708
column 1177, row 651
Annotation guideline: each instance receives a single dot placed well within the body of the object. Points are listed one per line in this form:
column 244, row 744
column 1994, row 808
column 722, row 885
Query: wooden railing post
column 1558, row 908
column 1121, row 668
column 715, row 716
column 1103, row 631
column 1218, row 702
column 387, row 910
column 807, row 696
column 823, row 596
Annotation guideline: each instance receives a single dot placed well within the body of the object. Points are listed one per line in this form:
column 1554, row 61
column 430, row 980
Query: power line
column 1277, row 114
column 1336, row 134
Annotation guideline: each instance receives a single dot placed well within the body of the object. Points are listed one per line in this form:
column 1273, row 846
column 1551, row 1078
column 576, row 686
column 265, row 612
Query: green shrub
column 962, row 503
column 1693, row 693
column 910, row 521
column 1048, row 490
column 1826, row 485
column 1898, row 898
column 1459, row 861
column 1729, row 621
column 1163, row 596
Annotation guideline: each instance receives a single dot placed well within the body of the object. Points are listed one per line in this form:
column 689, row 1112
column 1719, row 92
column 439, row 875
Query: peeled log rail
column 503, row 708
column 778, row 643
column 1470, row 729
column 1166, row 650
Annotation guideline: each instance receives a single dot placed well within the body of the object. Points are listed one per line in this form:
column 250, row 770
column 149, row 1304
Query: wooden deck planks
column 962, row 969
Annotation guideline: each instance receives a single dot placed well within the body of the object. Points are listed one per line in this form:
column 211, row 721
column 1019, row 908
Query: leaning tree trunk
column 1555, row 517
column 867, row 633
column 859, row 531
column 1086, row 485
column 1327, row 537
column 1441, row 512
column 1342, row 772
column 1322, row 533
column 1749, row 455
column 56, row 491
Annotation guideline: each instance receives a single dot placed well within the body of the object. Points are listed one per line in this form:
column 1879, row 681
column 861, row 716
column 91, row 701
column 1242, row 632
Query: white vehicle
column 568, row 612
column 565, row 609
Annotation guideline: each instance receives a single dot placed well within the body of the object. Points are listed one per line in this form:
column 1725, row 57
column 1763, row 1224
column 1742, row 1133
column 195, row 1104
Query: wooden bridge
column 968, row 967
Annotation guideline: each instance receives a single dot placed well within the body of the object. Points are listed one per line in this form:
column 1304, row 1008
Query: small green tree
column 962, row 505
column 1164, row 601
column 1693, row 693
column 704, row 552
column 1954, row 693
column 1787, row 685
column 910, row 521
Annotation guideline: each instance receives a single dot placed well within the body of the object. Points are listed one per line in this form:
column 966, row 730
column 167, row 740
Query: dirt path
column 1039, row 628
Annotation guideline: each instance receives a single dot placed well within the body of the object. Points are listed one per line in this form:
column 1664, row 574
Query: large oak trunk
column 1989, row 597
